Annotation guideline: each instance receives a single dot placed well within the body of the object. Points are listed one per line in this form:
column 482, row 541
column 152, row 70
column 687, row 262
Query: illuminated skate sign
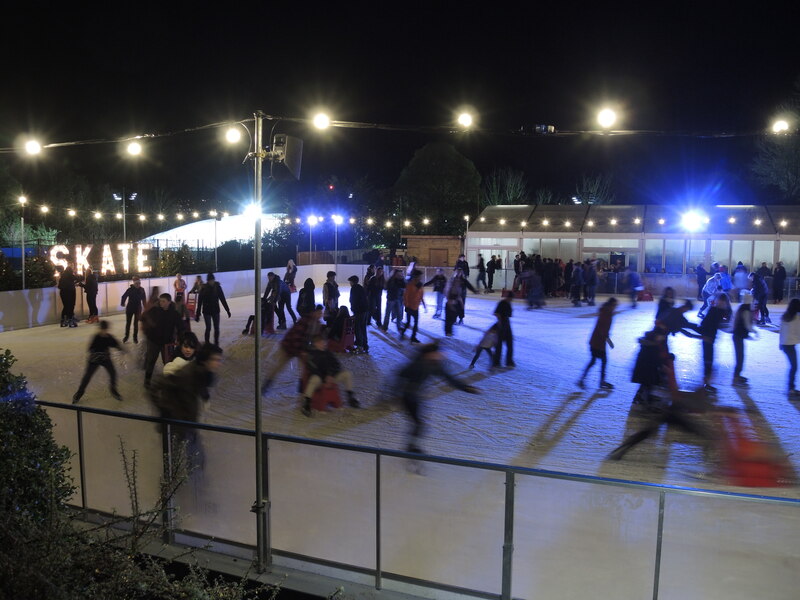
column 82, row 257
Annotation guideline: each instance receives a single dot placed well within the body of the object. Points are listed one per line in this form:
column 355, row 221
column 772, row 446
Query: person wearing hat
column 359, row 306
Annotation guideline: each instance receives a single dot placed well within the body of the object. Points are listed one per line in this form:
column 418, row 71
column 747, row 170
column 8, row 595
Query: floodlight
column 337, row 219
column 33, row 147
column 22, row 200
column 780, row 126
column 465, row 120
column 134, row 148
column 322, row 121
column 233, row 135
column 312, row 220
column 606, row 118
column 691, row 221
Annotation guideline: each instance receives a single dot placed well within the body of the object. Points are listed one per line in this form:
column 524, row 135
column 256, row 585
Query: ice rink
column 532, row 416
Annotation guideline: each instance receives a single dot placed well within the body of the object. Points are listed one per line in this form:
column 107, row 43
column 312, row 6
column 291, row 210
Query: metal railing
column 348, row 482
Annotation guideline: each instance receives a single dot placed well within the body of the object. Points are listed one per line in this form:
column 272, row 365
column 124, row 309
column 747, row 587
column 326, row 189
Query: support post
column 378, row 571
column 262, row 525
column 508, row 537
column 659, row 538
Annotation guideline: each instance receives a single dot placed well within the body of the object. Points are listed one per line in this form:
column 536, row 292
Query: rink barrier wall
column 20, row 309
column 497, row 531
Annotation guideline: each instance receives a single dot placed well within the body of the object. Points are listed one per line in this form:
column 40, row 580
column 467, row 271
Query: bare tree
column 505, row 186
column 545, row 196
column 595, row 189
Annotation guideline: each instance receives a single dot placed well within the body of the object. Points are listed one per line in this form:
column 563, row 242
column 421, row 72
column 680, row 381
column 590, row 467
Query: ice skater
column 89, row 286
column 412, row 298
column 66, row 289
column 488, row 341
column 294, row 344
column 325, row 369
column 789, row 338
column 211, row 296
column 714, row 320
column 185, row 353
column 395, row 287
column 100, row 356
column 742, row 328
column 504, row 334
column 597, row 343
column 179, row 287
column 360, row 307
column 438, row 281
column 428, row 362
column 133, row 300
column 162, row 326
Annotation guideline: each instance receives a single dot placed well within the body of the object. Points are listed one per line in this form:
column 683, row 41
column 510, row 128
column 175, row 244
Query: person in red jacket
column 597, row 343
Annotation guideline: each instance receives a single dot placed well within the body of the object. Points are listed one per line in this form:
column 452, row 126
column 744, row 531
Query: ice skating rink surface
column 533, row 415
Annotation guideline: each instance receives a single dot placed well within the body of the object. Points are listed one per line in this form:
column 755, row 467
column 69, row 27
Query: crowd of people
column 318, row 331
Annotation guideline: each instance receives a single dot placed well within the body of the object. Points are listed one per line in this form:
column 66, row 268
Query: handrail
column 460, row 462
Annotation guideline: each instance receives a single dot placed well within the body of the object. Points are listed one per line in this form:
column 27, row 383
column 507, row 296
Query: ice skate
column 606, row 386
column 306, row 408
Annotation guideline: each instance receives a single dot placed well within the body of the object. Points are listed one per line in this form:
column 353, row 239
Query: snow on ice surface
column 531, row 416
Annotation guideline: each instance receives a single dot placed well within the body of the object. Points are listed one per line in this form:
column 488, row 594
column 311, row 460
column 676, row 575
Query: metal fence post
column 378, row 583
column 659, row 536
column 80, row 459
column 167, row 509
column 508, row 537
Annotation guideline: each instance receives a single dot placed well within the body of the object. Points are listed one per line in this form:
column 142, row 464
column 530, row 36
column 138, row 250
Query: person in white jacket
column 790, row 337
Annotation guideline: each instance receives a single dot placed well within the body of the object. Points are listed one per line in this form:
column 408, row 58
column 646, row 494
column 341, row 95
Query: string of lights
column 369, row 221
column 606, row 118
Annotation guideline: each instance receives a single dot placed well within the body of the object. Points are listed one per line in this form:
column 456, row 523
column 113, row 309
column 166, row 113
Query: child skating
column 100, row 356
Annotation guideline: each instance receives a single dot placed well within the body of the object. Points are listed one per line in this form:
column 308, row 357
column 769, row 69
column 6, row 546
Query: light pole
column 312, row 220
column 217, row 217
column 124, row 198
column 466, row 235
column 337, row 220
column 22, row 200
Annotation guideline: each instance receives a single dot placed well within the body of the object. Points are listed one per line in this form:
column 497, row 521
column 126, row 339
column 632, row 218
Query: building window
column 742, row 250
column 763, row 251
column 720, row 251
column 653, row 255
column 789, row 256
column 673, row 256
column 568, row 250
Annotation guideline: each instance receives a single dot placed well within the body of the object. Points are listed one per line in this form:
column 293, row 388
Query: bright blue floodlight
column 692, row 221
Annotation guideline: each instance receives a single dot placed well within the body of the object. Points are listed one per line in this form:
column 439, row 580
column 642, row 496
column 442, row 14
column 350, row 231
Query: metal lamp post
column 22, row 200
column 337, row 220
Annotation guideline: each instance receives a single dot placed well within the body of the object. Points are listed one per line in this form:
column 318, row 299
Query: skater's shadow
column 667, row 428
column 553, row 430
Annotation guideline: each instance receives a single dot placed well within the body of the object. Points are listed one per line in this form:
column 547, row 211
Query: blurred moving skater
column 324, row 368
column 429, row 361
column 100, row 356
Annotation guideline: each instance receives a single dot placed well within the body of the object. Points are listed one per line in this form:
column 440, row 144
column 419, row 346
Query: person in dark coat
column 100, row 356
column 305, row 299
column 375, row 287
column 667, row 302
column 395, row 286
column 211, row 296
column 634, row 285
column 90, row 288
column 778, row 281
column 428, row 362
column 133, row 300
column 702, row 275
column 481, row 274
column 710, row 325
column 576, row 285
column 742, row 328
column 590, row 280
column 284, row 304
column 504, row 334
column 601, row 336
column 491, row 267
column 438, row 281
column 323, row 367
column 162, row 326
column 66, row 289
column 360, row 308
column 760, row 294
column 294, row 344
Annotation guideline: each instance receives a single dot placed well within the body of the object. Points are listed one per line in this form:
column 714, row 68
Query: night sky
column 73, row 75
